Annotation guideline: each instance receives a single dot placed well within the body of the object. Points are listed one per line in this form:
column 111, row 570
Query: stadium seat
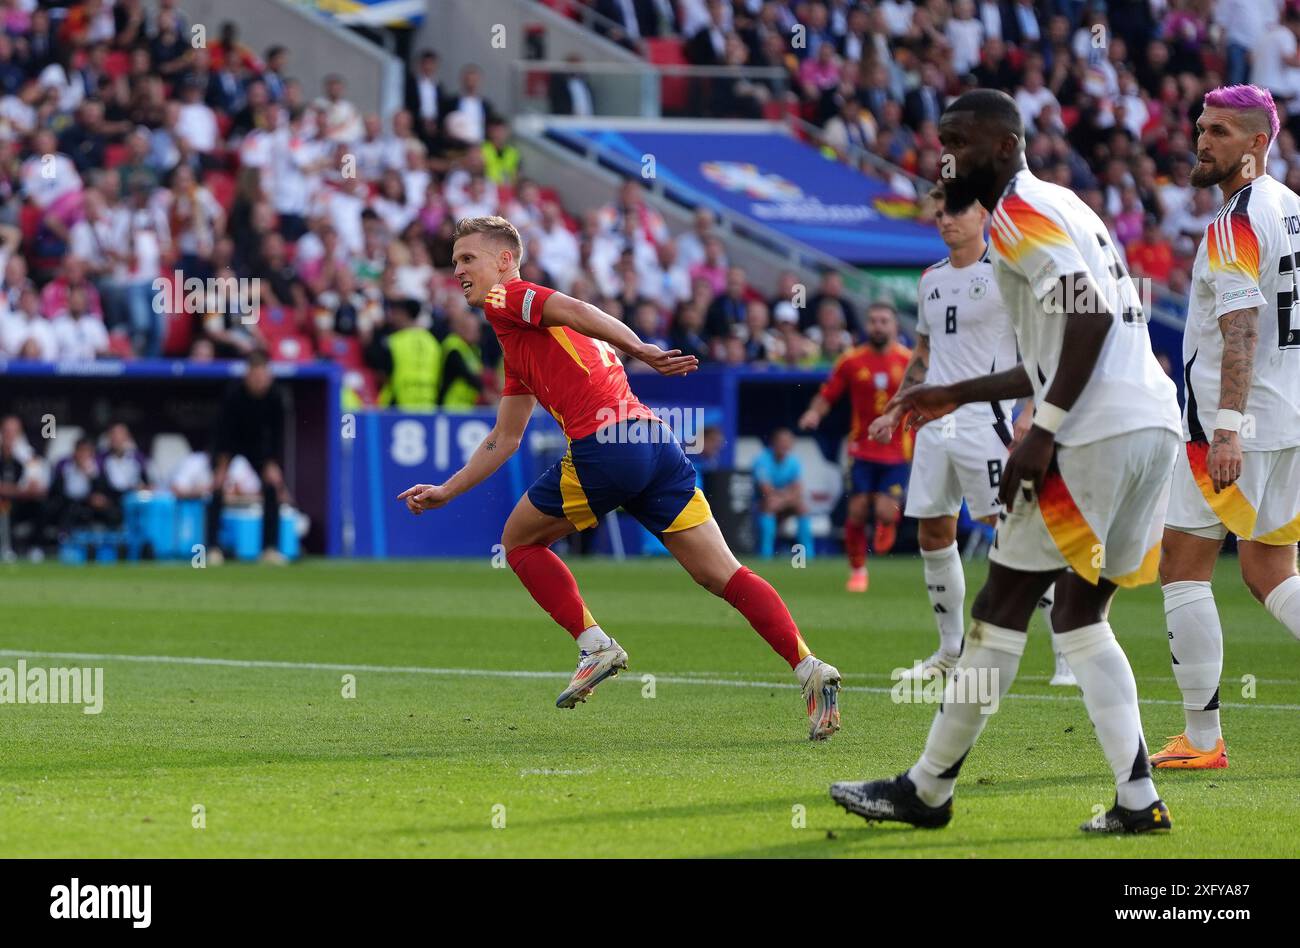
column 222, row 185
column 178, row 335
column 674, row 91
column 292, row 347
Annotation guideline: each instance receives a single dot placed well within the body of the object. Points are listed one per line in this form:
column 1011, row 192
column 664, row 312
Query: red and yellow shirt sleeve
column 1232, row 250
column 1034, row 242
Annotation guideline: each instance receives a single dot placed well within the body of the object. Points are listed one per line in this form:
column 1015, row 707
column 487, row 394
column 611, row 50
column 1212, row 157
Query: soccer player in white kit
column 1240, row 467
column 962, row 331
column 1085, row 491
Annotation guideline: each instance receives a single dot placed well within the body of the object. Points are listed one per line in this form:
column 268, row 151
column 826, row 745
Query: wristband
column 1048, row 417
column 1228, row 420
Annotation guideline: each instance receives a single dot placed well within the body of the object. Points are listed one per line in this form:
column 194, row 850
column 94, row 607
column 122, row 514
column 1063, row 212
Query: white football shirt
column 1040, row 233
column 1248, row 259
column 960, row 309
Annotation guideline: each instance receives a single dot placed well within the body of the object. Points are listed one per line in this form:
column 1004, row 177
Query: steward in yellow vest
column 416, row 361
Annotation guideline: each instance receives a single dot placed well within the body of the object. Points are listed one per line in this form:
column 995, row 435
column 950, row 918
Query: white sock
column 1045, row 603
column 805, row 668
column 1284, row 603
column 1196, row 647
column 946, row 584
column 1110, row 695
column 593, row 639
column 958, row 723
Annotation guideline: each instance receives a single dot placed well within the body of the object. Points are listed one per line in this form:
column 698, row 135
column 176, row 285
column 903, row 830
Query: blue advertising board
column 778, row 182
column 385, row 452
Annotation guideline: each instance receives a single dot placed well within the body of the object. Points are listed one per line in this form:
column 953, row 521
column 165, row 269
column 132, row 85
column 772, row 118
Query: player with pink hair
column 1240, row 467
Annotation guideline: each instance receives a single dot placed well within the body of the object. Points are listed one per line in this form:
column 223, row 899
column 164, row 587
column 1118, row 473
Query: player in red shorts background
column 560, row 352
column 871, row 374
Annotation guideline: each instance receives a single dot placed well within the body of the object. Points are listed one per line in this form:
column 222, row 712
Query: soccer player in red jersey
column 871, row 374
column 560, row 352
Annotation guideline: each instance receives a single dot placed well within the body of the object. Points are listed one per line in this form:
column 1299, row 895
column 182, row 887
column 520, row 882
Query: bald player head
column 983, row 141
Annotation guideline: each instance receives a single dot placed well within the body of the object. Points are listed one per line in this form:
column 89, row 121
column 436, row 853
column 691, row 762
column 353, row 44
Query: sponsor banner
column 778, row 182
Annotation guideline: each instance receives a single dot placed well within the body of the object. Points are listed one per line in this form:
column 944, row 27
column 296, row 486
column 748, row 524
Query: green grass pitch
column 453, row 725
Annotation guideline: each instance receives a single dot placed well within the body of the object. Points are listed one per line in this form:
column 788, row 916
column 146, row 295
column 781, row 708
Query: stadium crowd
column 1109, row 91
column 134, row 161
column 130, row 154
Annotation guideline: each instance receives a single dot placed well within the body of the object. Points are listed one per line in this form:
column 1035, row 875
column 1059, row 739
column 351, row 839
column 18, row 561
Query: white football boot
column 593, row 668
column 820, row 683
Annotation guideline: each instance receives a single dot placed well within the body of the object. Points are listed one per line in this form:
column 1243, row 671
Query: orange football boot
column 1179, row 754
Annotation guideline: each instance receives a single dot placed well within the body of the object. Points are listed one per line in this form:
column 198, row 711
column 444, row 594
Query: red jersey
column 871, row 379
column 577, row 379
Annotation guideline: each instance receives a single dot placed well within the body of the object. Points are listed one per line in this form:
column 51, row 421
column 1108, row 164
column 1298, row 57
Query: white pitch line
column 519, row 673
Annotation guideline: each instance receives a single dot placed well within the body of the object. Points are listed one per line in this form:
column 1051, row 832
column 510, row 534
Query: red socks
column 549, row 582
column 755, row 599
column 855, row 544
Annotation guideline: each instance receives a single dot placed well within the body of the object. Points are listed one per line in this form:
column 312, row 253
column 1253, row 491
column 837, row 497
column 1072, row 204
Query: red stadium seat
column 119, row 345
column 292, row 348
column 222, row 185
column 674, row 91
column 178, row 335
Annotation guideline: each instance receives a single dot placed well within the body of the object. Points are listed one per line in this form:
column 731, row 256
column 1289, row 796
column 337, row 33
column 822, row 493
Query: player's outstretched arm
column 814, row 413
column 561, row 310
column 1240, row 330
column 502, row 441
column 924, row 403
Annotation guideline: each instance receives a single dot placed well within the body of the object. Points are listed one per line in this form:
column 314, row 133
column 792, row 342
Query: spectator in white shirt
column 295, row 174
column 342, row 120
column 557, row 247
column 966, row 34
column 1276, row 65
column 376, row 152
column 196, row 124
column 1032, row 97
column 898, row 15
column 25, row 333
column 51, row 180
column 690, row 245
column 667, row 281
column 80, row 334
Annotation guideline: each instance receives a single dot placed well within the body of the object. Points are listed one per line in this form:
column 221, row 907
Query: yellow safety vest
column 460, row 394
column 416, row 369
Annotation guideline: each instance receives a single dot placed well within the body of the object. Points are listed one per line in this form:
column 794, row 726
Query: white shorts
column 1100, row 513
column 963, row 460
column 1263, row 505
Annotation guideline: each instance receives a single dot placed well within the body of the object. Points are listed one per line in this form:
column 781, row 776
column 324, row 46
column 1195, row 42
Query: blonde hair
column 494, row 228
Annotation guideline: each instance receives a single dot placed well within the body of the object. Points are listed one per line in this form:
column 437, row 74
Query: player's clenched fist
column 424, row 497
column 1223, row 463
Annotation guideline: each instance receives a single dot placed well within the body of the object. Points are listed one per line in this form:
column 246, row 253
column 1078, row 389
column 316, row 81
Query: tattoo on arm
column 917, row 366
column 1240, row 330
column 490, row 445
